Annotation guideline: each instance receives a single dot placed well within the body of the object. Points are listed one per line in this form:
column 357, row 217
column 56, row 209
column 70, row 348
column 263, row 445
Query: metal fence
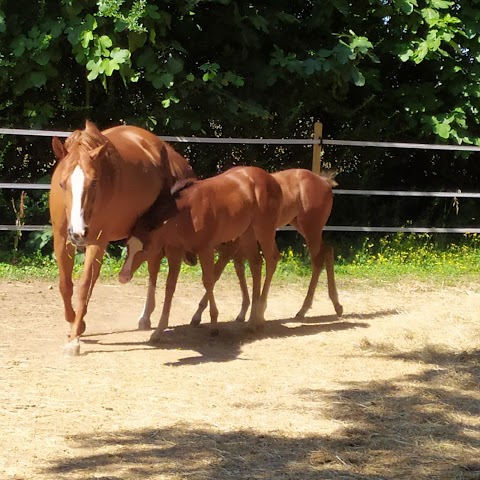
column 282, row 141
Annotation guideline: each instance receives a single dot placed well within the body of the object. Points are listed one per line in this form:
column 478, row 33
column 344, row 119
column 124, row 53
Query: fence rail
column 285, row 141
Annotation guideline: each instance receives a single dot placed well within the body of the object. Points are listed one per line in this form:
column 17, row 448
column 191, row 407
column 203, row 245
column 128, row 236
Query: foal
column 242, row 203
column 307, row 203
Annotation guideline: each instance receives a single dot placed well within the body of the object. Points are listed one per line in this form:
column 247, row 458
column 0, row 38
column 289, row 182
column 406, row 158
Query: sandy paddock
column 389, row 391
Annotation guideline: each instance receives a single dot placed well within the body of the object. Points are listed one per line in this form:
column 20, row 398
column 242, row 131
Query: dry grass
column 390, row 391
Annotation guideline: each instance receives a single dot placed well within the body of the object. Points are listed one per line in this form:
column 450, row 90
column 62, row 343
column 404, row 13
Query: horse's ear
column 97, row 152
column 59, row 148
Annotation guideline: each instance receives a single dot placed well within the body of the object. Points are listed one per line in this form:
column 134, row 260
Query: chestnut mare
column 307, row 204
column 241, row 203
column 102, row 183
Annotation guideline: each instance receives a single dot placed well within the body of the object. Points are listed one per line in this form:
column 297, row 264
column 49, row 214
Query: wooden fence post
column 317, row 148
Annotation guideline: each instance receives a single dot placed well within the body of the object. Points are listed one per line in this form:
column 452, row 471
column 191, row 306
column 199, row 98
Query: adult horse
column 306, row 205
column 241, row 203
column 102, row 183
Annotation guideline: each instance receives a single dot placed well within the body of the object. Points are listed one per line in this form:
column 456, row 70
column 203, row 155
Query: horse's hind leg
column 207, row 262
column 249, row 248
column 320, row 255
column 239, row 264
column 332, row 286
column 144, row 322
column 271, row 256
column 226, row 252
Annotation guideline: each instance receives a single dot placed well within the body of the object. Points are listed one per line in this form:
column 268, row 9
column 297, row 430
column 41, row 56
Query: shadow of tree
column 419, row 426
column 180, row 452
column 405, row 428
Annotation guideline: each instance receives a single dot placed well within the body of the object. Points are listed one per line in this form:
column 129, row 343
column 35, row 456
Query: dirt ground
column 388, row 391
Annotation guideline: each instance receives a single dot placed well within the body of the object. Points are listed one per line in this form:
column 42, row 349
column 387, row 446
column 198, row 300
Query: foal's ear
column 99, row 151
column 58, row 148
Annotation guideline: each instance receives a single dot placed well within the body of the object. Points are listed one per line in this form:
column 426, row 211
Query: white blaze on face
column 76, row 216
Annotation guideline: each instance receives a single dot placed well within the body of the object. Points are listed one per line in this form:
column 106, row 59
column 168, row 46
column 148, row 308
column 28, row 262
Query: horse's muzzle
column 79, row 240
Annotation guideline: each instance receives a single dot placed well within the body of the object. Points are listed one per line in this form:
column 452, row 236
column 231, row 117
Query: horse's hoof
column 144, row 324
column 339, row 310
column 300, row 314
column 72, row 348
column 81, row 327
column 195, row 322
column 254, row 326
column 240, row 319
column 156, row 336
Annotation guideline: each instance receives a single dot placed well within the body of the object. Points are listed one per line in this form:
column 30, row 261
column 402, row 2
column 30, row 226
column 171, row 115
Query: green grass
column 383, row 258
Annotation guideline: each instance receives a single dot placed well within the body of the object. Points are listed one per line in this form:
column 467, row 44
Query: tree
column 402, row 70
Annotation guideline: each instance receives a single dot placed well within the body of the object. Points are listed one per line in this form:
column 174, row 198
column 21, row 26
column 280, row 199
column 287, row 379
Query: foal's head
column 83, row 155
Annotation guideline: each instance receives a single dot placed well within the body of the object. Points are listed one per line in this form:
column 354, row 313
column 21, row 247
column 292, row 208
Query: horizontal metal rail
column 337, row 191
column 328, row 228
column 283, row 141
column 265, row 141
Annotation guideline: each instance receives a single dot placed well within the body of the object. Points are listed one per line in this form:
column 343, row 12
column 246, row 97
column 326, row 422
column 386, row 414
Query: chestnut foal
column 307, row 203
column 243, row 203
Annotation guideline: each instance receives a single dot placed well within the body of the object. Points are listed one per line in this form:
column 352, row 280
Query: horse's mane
column 89, row 138
column 163, row 208
column 176, row 163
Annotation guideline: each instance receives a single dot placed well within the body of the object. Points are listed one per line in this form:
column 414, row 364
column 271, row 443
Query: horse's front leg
column 65, row 256
column 91, row 270
column 174, row 258
column 153, row 261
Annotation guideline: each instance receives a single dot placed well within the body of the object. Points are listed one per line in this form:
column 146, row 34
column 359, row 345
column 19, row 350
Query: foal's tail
column 329, row 176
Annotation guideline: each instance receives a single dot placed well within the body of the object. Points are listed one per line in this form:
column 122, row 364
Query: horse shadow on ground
column 406, row 427
column 233, row 335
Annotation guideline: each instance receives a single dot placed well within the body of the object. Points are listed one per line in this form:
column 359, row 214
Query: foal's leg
column 332, row 286
column 144, row 323
column 91, row 270
column 207, row 261
column 226, row 252
column 174, row 257
column 239, row 264
column 249, row 248
column 320, row 255
column 272, row 255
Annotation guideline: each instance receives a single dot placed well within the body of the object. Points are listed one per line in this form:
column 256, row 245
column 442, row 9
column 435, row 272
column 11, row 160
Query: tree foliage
column 396, row 70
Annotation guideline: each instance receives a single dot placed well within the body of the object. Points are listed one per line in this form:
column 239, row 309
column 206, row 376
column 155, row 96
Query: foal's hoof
column 157, row 336
column 72, row 348
column 339, row 310
column 144, row 324
column 195, row 322
column 255, row 327
column 300, row 314
column 240, row 319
